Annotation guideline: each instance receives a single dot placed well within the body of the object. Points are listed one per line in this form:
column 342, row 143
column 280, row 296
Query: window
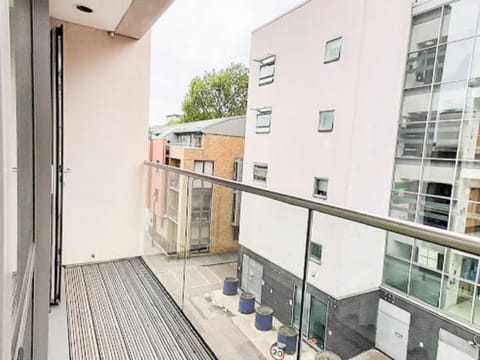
column 203, row 167
column 320, row 188
column 260, row 174
column 188, row 140
column 325, row 122
column 332, row 50
column 264, row 117
column 238, row 169
column 267, row 70
column 316, row 252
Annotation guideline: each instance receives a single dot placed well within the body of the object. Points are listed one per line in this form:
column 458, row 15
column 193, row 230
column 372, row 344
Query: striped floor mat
column 119, row 310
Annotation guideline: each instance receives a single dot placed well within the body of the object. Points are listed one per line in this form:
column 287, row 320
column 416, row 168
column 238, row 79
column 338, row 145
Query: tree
column 217, row 94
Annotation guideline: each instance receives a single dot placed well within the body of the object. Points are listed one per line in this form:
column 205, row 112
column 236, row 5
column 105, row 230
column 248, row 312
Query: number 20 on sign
column 277, row 352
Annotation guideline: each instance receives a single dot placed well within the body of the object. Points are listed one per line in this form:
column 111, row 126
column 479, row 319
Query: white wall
column 364, row 87
column 106, row 125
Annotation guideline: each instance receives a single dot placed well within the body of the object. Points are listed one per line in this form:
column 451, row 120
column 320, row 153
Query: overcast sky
column 195, row 36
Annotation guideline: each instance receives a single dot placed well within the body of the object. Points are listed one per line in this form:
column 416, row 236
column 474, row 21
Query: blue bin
column 287, row 335
column 230, row 285
column 264, row 318
column 247, row 303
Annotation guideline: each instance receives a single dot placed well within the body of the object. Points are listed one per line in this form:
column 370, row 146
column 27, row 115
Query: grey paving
column 119, row 310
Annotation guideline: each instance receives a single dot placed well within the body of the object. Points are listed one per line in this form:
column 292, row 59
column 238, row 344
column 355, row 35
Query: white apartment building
column 370, row 105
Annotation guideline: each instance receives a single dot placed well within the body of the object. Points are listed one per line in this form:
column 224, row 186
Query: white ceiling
column 106, row 13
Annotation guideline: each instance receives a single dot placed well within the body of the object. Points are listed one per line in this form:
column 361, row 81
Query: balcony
column 310, row 268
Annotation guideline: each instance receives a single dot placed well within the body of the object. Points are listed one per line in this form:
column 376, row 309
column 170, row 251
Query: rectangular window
column 267, row 70
column 316, row 252
column 202, row 167
column 264, row 117
column 320, row 188
column 325, row 121
column 260, row 174
column 332, row 50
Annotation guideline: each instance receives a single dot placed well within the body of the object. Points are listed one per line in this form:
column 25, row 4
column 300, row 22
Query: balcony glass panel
column 211, row 257
column 217, row 271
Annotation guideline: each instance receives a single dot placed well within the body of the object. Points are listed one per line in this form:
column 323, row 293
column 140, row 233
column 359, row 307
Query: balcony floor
column 119, row 310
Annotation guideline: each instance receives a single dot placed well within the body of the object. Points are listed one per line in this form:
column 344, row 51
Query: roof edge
column 281, row 16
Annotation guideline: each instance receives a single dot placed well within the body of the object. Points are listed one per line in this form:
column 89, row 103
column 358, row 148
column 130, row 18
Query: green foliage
column 174, row 121
column 217, row 94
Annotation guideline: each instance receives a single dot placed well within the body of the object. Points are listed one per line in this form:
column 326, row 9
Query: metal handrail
column 437, row 236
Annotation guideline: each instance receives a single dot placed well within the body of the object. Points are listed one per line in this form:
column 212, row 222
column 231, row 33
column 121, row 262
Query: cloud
column 196, row 36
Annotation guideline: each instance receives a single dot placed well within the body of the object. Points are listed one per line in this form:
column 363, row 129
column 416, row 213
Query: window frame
column 313, row 258
column 325, row 61
column 200, row 183
column 319, row 119
column 269, row 60
column 258, row 182
column 267, row 110
column 318, row 196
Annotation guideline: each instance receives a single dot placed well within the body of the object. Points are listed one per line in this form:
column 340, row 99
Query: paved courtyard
column 231, row 335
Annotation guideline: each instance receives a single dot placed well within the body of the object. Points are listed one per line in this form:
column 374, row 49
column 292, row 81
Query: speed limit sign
column 276, row 352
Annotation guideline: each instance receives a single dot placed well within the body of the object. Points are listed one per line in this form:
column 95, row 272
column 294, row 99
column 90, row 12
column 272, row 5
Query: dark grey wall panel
column 352, row 321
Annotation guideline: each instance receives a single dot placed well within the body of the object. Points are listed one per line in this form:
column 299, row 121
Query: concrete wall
column 106, row 98
column 364, row 87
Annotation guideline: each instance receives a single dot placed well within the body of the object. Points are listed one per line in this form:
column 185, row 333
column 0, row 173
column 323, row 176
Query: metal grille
column 119, row 310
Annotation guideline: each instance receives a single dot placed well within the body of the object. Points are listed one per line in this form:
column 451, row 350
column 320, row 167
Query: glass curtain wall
column 437, row 168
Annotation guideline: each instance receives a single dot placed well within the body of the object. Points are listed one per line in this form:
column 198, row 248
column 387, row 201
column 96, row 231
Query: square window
column 260, row 174
column 325, row 122
column 316, row 252
column 332, row 50
column 264, row 117
column 320, row 188
column 267, row 70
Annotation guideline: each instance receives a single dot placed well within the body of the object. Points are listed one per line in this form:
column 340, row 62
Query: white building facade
column 328, row 81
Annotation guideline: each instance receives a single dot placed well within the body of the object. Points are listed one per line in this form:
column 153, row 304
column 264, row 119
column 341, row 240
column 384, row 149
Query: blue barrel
column 230, row 285
column 287, row 335
column 247, row 303
column 264, row 318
